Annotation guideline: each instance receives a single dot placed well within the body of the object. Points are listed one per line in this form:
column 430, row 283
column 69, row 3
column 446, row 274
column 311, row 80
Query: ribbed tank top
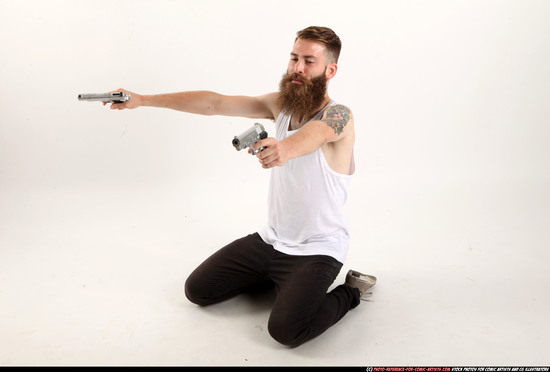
column 305, row 203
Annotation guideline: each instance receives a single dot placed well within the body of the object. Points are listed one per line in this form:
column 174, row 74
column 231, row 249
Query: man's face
column 307, row 59
column 303, row 88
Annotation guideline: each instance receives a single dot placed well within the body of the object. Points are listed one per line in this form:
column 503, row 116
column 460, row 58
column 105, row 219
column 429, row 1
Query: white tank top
column 305, row 203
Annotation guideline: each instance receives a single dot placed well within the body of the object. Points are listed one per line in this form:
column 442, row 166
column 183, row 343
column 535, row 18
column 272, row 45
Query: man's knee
column 194, row 292
column 286, row 335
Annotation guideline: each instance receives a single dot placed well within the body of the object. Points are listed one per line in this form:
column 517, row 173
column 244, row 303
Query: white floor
column 103, row 214
column 95, row 278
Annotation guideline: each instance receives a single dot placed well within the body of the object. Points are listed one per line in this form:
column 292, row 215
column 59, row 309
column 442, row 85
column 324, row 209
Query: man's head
column 324, row 36
column 313, row 62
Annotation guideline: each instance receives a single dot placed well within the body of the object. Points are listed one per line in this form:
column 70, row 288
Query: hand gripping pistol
column 249, row 137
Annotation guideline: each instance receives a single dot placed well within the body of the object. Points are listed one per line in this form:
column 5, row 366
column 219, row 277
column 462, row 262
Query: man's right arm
column 205, row 103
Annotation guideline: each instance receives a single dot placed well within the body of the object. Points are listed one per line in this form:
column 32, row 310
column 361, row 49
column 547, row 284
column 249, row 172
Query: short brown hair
column 325, row 36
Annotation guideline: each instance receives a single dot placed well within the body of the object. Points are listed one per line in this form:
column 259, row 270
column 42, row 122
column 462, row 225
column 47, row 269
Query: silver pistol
column 115, row 97
column 249, row 137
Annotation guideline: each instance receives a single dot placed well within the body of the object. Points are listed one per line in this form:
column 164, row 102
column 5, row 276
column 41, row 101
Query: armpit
column 337, row 117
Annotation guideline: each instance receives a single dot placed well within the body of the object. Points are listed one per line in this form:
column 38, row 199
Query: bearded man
column 303, row 246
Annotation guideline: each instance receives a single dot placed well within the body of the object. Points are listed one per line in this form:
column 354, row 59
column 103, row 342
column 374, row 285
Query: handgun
column 249, row 137
column 114, row 97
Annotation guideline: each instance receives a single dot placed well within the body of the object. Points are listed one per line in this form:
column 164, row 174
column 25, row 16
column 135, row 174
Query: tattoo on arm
column 337, row 117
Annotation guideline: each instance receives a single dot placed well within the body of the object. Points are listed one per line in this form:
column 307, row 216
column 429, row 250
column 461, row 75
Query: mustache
column 288, row 78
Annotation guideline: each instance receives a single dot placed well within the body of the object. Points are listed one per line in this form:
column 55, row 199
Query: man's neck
column 298, row 122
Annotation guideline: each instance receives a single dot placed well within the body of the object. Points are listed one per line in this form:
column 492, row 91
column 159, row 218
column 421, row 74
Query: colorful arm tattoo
column 337, row 117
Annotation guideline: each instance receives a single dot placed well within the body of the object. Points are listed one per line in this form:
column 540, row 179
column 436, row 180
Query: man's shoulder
column 338, row 105
column 271, row 102
column 337, row 112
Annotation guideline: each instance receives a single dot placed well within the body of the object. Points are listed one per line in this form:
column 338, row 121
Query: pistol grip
column 256, row 152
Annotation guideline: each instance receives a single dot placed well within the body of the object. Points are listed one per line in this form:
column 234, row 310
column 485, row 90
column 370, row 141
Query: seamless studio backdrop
column 103, row 214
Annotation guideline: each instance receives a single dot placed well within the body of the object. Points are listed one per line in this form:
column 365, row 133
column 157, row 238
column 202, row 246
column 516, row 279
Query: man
column 303, row 246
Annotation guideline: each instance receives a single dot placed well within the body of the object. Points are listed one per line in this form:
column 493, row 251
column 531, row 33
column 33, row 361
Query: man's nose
column 299, row 68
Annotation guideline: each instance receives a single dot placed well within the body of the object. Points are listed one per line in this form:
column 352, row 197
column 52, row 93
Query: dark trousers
column 302, row 310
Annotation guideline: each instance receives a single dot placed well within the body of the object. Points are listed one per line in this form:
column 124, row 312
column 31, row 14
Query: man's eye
column 310, row 62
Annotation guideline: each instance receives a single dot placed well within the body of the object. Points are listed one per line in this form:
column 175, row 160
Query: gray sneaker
column 360, row 281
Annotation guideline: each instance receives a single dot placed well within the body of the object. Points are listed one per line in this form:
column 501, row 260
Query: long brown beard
column 302, row 100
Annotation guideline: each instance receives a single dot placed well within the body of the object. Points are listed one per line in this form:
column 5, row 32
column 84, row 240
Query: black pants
column 302, row 310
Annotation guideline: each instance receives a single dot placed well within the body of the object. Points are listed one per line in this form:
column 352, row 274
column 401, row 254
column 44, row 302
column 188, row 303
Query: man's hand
column 134, row 102
column 275, row 153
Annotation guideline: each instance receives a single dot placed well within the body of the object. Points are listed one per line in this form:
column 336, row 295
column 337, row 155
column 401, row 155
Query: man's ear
column 330, row 71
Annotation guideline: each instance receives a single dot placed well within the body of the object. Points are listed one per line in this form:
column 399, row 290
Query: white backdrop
column 451, row 107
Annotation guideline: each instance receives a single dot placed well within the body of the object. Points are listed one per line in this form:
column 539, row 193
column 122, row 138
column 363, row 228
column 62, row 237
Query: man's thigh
column 231, row 270
column 303, row 288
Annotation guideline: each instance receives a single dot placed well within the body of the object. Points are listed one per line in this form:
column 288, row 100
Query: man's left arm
column 330, row 128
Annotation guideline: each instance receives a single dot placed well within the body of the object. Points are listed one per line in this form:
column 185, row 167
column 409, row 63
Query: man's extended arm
column 205, row 103
column 313, row 135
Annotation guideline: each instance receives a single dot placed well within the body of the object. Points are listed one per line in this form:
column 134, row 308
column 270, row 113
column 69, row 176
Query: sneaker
column 360, row 281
